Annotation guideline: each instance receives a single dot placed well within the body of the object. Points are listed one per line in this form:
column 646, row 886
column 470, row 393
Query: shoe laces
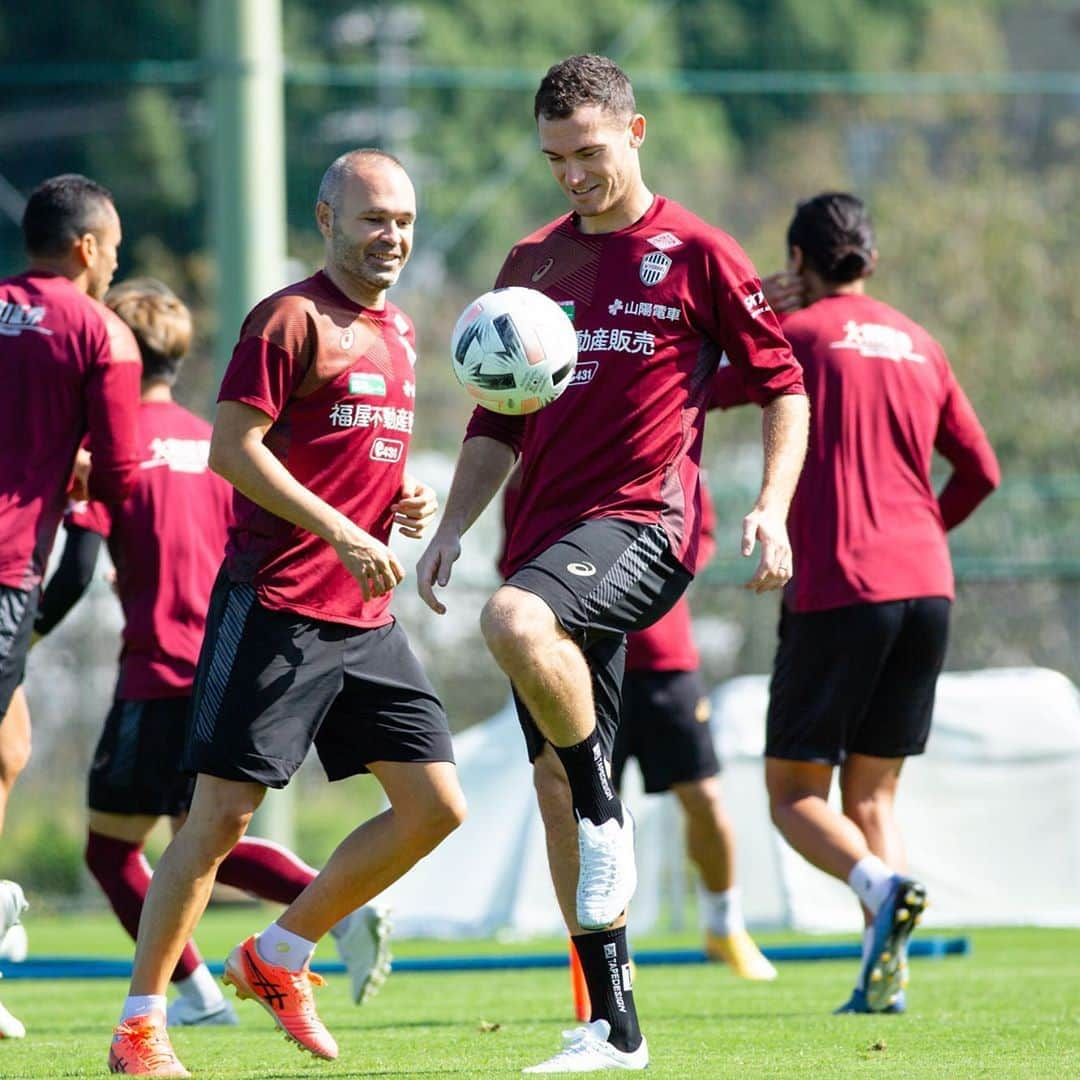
column 303, row 981
column 603, row 866
column 155, row 1048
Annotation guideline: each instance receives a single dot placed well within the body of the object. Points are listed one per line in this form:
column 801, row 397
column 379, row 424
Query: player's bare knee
column 13, row 760
column 699, row 798
column 508, row 624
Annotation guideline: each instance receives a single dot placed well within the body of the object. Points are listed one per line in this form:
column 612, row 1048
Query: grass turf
column 1011, row 1009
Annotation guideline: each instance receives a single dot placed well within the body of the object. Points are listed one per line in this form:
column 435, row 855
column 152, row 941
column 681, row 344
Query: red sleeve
column 112, row 410
column 962, row 441
column 493, row 425
column 260, row 374
column 748, row 329
column 728, row 388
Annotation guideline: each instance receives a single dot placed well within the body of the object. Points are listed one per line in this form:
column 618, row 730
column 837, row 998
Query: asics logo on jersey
column 15, row 318
column 581, row 569
column 542, row 269
column 654, row 268
column 389, row 450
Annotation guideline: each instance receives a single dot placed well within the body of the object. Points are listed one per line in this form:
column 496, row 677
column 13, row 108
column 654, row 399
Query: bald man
column 313, row 424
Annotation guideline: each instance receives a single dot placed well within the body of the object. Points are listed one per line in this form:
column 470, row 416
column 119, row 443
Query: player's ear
column 637, row 131
column 324, row 218
column 84, row 248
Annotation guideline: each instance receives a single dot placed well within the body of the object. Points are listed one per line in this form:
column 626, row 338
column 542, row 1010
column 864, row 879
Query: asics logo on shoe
column 269, row 991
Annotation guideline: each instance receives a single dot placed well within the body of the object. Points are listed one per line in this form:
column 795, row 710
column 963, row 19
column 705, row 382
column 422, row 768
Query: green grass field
column 1011, row 1009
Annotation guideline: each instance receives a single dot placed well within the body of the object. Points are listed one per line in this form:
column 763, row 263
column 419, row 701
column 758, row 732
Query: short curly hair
column 160, row 321
column 587, row 79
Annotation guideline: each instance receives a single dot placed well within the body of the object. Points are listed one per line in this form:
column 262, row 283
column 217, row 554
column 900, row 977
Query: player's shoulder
column 122, row 344
column 688, row 228
column 175, row 419
column 299, row 298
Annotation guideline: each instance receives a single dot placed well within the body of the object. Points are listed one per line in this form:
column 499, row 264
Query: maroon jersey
column 68, row 366
column 166, row 541
column 668, row 645
column 338, row 381
column 865, row 524
column 654, row 305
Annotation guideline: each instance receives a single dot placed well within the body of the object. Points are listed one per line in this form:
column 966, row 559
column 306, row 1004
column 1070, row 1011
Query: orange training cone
column 582, row 1007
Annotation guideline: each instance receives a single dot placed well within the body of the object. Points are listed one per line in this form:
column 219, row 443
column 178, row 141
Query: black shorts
column 136, row 766
column 602, row 580
column 856, row 680
column 270, row 684
column 665, row 725
column 17, row 610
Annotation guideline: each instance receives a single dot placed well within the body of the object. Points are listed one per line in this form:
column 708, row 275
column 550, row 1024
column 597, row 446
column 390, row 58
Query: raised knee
column 507, row 623
column 437, row 819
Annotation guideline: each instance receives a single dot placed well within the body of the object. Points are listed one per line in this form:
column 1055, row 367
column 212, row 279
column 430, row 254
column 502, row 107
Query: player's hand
column 79, row 486
column 774, row 566
column 784, row 291
column 434, row 568
column 415, row 508
column 375, row 567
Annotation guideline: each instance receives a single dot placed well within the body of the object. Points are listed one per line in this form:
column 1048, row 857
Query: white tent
column 990, row 814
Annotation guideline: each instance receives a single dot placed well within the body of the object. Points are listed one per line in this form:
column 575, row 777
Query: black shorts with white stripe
column 272, row 684
column 604, row 579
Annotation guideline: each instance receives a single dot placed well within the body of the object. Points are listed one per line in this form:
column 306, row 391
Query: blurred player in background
column 68, row 368
column 605, row 538
column 865, row 619
column 313, row 426
column 665, row 725
column 166, row 542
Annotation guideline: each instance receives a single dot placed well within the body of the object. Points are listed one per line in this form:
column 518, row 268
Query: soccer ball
column 514, row 350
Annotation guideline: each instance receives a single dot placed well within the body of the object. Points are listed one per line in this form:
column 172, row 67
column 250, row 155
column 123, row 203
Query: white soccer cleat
column 14, row 945
column 184, row 1013
column 364, row 947
column 10, row 1026
column 608, row 874
column 586, row 1049
column 12, row 905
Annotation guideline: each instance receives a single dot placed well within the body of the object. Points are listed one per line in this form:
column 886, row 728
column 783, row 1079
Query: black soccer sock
column 605, row 960
column 591, row 789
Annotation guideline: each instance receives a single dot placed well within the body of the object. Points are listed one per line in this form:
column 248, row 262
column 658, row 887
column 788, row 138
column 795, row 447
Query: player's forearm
column 254, row 471
column 70, row 580
column 483, row 465
column 784, row 429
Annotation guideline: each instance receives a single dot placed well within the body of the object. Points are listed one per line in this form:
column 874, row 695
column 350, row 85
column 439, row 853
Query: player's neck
column 64, row 267
column 156, row 391
column 817, row 288
column 359, row 292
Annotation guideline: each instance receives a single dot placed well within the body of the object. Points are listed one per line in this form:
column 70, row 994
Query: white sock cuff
column 283, row 948
column 871, row 880
column 722, row 912
column 142, row 1005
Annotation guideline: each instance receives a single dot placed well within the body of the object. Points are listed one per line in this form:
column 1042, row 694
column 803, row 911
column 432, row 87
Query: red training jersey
column 338, row 381
column 166, row 541
column 654, row 305
column 668, row 645
column 68, row 366
column 865, row 524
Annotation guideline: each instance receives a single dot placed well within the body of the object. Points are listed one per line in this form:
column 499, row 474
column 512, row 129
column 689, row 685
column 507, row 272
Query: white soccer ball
column 514, row 350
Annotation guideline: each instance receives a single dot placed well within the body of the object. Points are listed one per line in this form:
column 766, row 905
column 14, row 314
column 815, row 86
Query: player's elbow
column 112, row 485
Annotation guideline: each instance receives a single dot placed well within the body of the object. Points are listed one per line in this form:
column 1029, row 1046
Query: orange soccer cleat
column 286, row 995
column 141, row 1047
